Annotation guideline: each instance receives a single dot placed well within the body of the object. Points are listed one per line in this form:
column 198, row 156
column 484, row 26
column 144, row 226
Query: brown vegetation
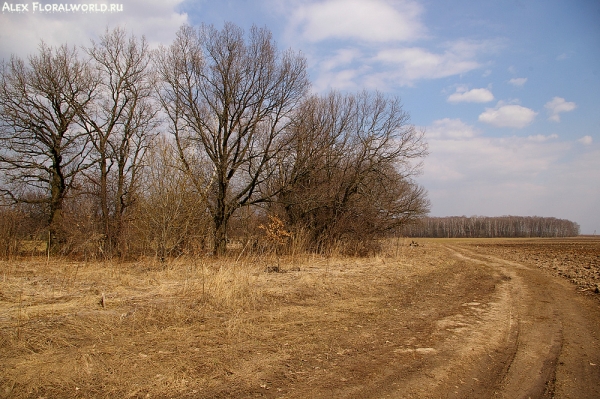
column 120, row 152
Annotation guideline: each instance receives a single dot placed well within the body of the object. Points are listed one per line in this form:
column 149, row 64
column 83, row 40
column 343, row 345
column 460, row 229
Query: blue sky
column 507, row 91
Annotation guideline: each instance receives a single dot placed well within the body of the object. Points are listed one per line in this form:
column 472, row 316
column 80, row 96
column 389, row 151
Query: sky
column 508, row 91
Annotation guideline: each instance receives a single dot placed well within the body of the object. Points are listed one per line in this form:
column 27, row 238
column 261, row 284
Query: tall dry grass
column 199, row 327
column 108, row 329
column 54, row 314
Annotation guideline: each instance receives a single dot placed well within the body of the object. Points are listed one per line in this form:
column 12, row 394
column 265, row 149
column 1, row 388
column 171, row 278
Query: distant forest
column 490, row 227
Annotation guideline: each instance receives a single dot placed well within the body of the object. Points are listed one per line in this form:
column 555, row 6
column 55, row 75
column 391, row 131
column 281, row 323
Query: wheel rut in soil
column 556, row 350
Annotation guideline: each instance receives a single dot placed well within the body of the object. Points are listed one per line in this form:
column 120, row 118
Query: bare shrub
column 10, row 237
column 170, row 218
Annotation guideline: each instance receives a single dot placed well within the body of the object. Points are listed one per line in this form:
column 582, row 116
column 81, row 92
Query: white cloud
column 20, row 34
column 586, row 140
column 459, row 147
column 344, row 79
column 575, row 191
column 511, row 115
column 341, row 57
column 411, row 64
column 375, row 37
column 373, row 21
column 450, row 129
column 519, row 82
column 558, row 105
column 471, row 96
column 367, row 67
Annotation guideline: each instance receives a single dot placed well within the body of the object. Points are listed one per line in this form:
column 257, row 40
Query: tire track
column 548, row 319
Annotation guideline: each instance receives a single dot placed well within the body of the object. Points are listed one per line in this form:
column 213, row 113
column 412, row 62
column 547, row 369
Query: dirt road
column 542, row 341
column 486, row 328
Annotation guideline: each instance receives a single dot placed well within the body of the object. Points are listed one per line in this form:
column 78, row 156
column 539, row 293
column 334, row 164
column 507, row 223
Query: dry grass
column 190, row 327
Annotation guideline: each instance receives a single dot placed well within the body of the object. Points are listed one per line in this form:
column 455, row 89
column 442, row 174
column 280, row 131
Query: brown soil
column 444, row 319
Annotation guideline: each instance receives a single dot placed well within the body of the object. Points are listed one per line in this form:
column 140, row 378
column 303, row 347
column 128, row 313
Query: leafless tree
column 119, row 124
column 347, row 173
column 231, row 98
column 244, row 133
column 43, row 150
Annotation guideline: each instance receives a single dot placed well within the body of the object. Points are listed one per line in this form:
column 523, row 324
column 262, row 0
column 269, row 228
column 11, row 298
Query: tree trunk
column 104, row 202
column 57, row 194
column 220, row 235
column 120, row 206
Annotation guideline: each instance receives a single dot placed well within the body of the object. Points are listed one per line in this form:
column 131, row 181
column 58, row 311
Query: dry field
column 446, row 318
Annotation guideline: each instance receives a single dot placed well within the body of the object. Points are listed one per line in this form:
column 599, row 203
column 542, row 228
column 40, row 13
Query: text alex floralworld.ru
column 62, row 7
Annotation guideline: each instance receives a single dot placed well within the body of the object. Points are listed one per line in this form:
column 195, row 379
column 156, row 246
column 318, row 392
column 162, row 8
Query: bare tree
column 42, row 149
column 347, row 173
column 232, row 98
column 119, row 124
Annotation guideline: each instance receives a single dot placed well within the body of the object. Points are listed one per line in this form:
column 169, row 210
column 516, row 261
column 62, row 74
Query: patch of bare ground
column 434, row 320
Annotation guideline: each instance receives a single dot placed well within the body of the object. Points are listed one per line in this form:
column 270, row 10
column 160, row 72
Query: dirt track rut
column 549, row 341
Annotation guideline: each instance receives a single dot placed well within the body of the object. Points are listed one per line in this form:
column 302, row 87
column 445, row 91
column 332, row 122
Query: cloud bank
column 469, row 173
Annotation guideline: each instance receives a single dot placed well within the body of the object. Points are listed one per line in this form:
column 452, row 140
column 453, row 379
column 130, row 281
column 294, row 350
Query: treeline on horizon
column 491, row 227
column 214, row 141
